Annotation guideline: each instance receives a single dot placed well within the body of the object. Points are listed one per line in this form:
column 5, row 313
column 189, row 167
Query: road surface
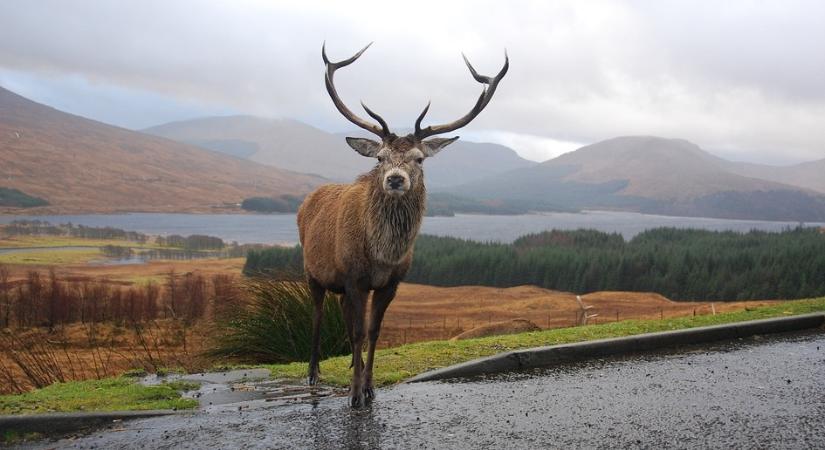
column 753, row 393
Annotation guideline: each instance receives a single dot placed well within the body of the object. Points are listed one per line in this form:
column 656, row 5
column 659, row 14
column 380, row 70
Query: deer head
column 400, row 159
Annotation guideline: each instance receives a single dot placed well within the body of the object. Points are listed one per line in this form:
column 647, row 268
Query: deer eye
column 419, row 160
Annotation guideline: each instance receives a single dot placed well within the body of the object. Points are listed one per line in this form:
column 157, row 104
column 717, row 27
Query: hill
column 296, row 146
column 807, row 175
column 283, row 143
column 651, row 175
column 80, row 165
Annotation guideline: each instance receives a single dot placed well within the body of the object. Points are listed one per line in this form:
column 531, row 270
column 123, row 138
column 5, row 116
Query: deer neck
column 393, row 223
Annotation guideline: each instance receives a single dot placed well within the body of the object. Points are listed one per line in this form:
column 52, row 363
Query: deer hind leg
column 317, row 292
column 380, row 301
column 355, row 301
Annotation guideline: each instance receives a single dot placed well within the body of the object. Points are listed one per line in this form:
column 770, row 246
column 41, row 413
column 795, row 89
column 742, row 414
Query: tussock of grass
column 397, row 364
column 274, row 324
column 111, row 394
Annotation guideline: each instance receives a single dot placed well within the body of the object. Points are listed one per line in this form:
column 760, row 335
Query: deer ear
column 363, row 146
column 434, row 145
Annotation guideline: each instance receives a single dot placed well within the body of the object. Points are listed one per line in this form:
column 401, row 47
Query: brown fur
column 358, row 238
column 356, row 231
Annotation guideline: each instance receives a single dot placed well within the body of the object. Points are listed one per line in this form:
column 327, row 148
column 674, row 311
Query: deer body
column 354, row 231
column 359, row 237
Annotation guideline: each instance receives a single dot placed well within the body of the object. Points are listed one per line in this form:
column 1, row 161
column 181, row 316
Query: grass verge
column 111, row 394
column 396, row 364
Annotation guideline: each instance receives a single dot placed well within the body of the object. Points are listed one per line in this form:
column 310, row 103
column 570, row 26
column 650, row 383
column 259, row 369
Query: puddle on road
column 269, row 393
column 245, row 388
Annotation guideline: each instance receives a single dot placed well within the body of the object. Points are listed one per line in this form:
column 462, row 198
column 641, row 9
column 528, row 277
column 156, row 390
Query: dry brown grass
column 422, row 312
column 155, row 271
column 419, row 313
column 94, row 351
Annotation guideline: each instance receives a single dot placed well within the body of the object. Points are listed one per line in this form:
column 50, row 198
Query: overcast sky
column 743, row 79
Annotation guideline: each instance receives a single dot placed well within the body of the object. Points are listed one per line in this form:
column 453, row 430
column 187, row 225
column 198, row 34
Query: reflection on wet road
column 759, row 392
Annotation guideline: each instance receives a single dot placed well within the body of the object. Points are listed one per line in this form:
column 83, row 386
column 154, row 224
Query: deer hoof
column 314, row 375
column 369, row 393
column 358, row 400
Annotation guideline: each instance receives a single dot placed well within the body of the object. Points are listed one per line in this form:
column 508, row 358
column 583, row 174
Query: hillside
column 293, row 145
column 283, row 143
column 651, row 175
column 808, row 175
column 80, row 165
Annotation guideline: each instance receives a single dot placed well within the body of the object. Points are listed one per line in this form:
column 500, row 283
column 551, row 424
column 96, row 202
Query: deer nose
column 395, row 181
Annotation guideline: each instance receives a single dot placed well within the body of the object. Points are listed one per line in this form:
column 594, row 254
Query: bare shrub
column 5, row 297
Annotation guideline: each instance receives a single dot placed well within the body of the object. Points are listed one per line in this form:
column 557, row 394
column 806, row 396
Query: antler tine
column 384, row 130
column 375, row 116
column 491, row 83
column 420, row 118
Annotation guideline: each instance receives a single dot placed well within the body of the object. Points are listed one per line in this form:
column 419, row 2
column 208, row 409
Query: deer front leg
column 317, row 292
column 380, row 301
column 355, row 301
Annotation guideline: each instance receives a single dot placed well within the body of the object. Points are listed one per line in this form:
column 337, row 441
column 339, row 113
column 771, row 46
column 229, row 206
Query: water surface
column 282, row 229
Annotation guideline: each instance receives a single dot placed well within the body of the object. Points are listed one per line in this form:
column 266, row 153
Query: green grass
column 52, row 257
column 67, row 241
column 111, row 394
column 12, row 437
column 58, row 257
column 397, row 364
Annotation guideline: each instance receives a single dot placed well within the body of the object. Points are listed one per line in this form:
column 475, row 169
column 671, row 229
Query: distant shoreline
column 33, row 213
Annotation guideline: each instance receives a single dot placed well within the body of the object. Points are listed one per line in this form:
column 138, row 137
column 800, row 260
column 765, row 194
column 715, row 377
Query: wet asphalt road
column 754, row 393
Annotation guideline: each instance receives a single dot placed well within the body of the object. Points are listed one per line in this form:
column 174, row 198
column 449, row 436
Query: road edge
column 62, row 423
column 538, row 357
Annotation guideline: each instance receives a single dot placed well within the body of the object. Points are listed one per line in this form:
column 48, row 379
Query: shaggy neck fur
column 392, row 222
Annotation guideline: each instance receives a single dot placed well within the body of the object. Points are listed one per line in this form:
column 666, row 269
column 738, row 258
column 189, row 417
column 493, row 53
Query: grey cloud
column 744, row 77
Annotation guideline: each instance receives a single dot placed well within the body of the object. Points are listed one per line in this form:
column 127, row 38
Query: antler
column 490, row 88
column 384, row 130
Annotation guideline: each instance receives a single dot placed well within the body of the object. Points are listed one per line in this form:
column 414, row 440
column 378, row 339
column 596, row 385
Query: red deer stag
column 359, row 237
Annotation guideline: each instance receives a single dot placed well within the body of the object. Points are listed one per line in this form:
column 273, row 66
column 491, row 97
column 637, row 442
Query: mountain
column 293, row 145
column 283, row 143
column 808, row 175
column 651, row 175
column 80, row 165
